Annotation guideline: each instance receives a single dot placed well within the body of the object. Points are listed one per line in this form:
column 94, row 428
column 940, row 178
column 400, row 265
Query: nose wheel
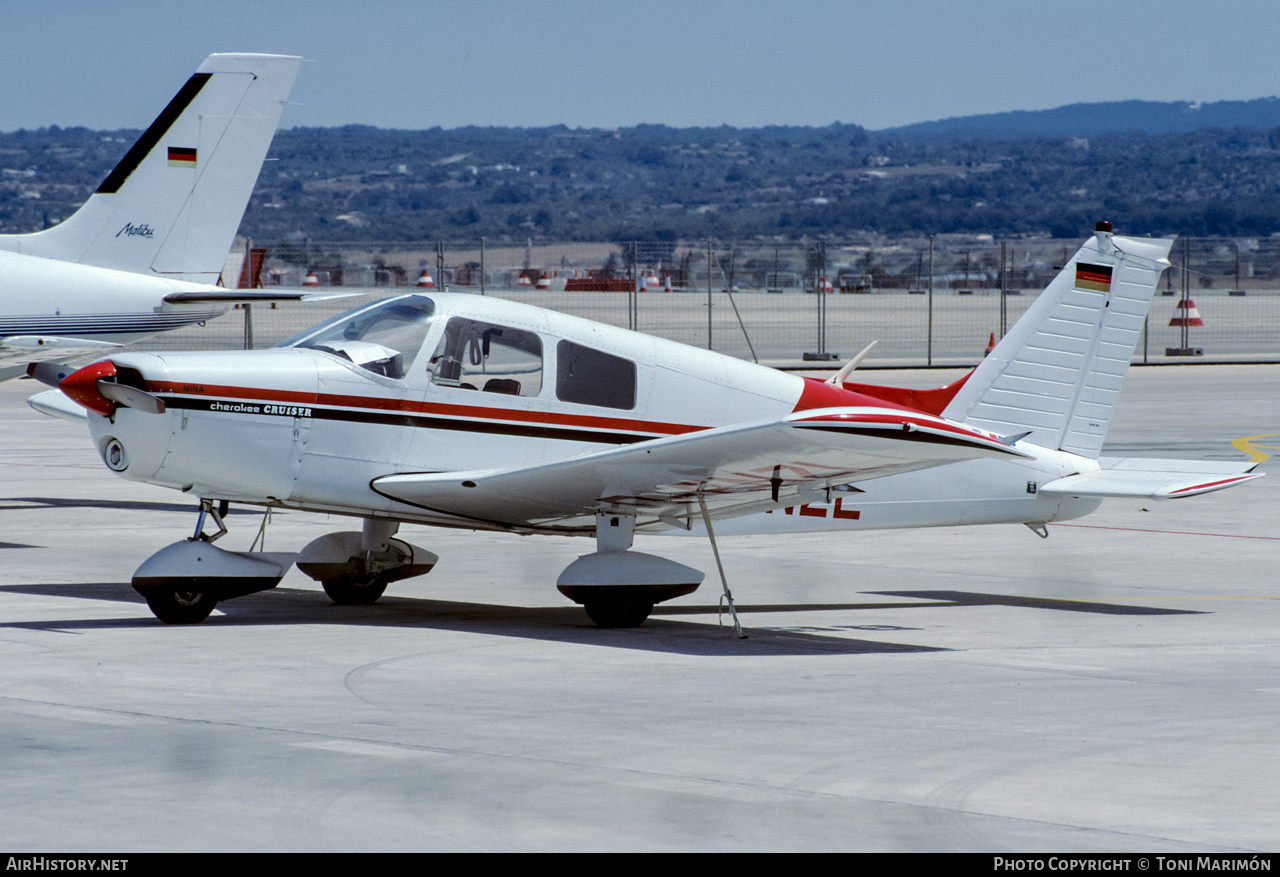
column 183, row 582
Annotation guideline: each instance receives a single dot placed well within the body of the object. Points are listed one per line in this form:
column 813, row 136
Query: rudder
column 1059, row 370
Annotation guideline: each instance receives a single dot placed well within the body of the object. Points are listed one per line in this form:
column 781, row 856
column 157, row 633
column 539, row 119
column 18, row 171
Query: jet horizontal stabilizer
column 235, row 296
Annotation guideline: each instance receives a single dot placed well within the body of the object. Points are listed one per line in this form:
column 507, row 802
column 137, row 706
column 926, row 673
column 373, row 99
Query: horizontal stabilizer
column 1139, row 478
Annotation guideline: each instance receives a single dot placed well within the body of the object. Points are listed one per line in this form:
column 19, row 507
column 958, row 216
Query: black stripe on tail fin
column 152, row 135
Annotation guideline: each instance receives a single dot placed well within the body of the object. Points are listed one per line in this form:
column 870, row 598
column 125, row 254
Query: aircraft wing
column 737, row 469
column 1140, row 478
column 242, row 296
column 42, row 348
column 18, row 351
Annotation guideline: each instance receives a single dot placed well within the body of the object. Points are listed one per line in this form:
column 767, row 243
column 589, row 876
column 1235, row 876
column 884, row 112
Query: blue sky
column 608, row 64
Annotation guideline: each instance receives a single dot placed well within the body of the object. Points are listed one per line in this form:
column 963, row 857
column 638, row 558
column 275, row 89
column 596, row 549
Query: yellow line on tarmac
column 1246, row 446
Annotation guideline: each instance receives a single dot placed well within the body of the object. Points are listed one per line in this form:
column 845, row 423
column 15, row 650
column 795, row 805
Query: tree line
column 652, row 182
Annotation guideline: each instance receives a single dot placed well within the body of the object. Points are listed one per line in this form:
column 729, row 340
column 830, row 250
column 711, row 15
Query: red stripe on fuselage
column 375, row 403
column 812, row 397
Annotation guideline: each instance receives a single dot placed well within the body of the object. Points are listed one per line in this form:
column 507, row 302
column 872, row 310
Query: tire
column 618, row 613
column 181, row 605
column 355, row 591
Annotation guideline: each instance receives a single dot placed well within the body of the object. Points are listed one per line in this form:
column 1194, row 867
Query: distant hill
column 1094, row 119
column 1160, row 168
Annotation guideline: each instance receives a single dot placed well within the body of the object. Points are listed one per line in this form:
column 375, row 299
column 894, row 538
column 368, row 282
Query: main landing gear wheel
column 181, row 605
column 618, row 612
column 607, row 585
column 355, row 590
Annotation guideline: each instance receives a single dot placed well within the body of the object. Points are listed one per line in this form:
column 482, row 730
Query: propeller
column 95, row 388
column 131, row 397
column 51, row 373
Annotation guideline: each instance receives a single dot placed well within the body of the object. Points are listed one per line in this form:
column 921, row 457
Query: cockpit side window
column 383, row 339
column 592, row 377
column 475, row 355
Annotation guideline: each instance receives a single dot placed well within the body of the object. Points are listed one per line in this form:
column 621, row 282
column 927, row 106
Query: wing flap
column 738, row 470
column 1141, row 478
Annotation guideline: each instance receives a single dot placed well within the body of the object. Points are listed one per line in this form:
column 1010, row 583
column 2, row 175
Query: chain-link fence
column 926, row 302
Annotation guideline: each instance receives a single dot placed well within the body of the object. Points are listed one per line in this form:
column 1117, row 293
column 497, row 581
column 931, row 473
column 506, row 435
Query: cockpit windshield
column 383, row 338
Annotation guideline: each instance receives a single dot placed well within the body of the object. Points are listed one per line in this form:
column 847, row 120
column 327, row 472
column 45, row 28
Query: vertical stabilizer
column 174, row 202
column 1059, row 371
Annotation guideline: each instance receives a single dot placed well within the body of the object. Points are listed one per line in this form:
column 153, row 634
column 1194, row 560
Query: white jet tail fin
column 1059, row 371
column 173, row 204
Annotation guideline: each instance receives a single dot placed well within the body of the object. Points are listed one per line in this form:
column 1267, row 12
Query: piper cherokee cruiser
column 472, row 412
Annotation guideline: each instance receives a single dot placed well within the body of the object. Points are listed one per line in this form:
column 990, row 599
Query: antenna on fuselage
column 843, row 375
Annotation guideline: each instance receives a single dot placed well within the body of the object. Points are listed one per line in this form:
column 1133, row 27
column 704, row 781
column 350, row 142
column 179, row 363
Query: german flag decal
column 182, row 156
column 1095, row 277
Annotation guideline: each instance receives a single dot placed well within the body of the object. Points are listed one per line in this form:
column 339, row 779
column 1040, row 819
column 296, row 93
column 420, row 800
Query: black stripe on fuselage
column 419, row 421
column 152, row 135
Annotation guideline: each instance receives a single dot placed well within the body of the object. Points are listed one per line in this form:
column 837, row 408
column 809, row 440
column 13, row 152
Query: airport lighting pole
column 1004, row 286
column 820, row 288
column 247, row 270
column 1236, row 290
column 633, row 276
column 929, row 342
column 708, row 293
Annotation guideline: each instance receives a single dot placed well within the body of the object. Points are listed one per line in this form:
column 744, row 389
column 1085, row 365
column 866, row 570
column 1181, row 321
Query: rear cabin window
column 590, row 377
column 493, row 359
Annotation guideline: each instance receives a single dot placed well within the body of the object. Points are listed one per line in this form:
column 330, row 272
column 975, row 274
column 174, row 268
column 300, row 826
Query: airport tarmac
column 1115, row 687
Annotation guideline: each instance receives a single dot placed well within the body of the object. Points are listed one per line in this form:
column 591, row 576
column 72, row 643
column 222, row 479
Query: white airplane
column 142, row 255
column 471, row 412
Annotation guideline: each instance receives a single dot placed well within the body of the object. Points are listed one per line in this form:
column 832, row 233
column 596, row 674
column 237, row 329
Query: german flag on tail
column 182, row 156
column 1095, row 277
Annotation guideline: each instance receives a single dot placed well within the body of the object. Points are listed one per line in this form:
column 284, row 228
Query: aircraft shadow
column 661, row 633
column 971, row 598
column 556, row 624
